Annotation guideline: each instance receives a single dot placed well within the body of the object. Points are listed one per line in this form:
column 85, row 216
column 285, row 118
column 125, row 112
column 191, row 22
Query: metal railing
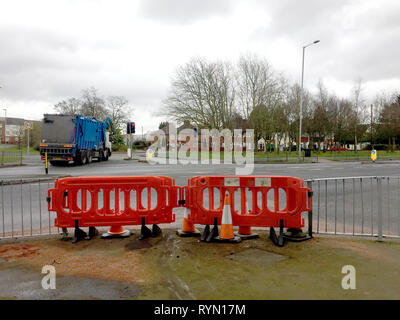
column 367, row 206
column 23, row 208
column 10, row 157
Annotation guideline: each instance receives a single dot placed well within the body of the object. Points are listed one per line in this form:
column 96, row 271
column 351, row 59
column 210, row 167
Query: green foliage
column 141, row 144
column 163, row 124
column 118, row 140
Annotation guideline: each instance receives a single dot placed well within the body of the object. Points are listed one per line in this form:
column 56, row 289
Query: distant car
column 288, row 148
column 333, row 148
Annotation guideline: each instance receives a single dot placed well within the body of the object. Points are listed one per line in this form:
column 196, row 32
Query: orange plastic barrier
column 140, row 200
column 249, row 201
column 113, row 201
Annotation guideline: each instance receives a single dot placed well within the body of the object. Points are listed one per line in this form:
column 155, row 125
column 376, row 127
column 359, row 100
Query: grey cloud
column 183, row 11
column 46, row 65
column 371, row 45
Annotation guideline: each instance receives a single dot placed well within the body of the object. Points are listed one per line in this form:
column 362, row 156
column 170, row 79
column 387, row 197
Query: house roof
column 17, row 121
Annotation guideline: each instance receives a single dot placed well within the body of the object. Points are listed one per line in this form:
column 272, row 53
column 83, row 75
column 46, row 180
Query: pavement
column 169, row 267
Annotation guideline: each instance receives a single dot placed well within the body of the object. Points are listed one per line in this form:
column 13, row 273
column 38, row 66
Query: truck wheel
column 106, row 155
column 89, row 157
column 101, row 156
column 81, row 158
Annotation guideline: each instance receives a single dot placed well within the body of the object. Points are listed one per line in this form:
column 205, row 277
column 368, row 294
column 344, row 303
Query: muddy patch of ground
column 256, row 257
column 29, row 286
column 169, row 267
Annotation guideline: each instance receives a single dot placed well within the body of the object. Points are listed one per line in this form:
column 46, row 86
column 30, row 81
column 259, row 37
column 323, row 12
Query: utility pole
column 5, row 124
column 301, row 98
column 372, row 146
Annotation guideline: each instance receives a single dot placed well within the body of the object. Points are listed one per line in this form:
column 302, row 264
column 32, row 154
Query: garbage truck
column 75, row 138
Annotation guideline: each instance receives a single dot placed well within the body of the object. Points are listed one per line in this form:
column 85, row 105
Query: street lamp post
column 301, row 96
column 5, row 123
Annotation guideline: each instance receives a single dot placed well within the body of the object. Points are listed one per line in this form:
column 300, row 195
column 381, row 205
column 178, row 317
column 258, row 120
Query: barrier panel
column 254, row 201
column 113, row 201
column 251, row 194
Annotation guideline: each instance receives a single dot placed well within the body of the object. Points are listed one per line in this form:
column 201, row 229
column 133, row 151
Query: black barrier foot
column 205, row 233
column 155, row 231
column 214, row 232
column 65, row 235
column 144, row 232
column 296, row 235
column 92, row 233
column 272, row 236
column 281, row 240
column 79, row 233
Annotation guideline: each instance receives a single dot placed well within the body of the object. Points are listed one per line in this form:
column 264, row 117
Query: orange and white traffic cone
column 188, row 228
column 227, row 234
column 116, row 232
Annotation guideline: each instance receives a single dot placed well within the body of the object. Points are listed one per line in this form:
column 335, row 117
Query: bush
column 119, row 148
column 141, row 144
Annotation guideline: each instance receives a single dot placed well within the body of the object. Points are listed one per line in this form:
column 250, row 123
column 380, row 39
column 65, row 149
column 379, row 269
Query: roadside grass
column 9, row 159
column 32, row 151
column 169, row 267
column 283, row 156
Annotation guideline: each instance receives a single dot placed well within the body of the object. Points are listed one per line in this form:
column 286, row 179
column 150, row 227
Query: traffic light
column 133, row 127
column 130, row 127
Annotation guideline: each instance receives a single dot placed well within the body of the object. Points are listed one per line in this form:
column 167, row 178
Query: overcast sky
column 52, row 49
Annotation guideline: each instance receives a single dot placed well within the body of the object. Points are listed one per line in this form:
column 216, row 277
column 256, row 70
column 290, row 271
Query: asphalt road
column 117, row 166
column 25, row 206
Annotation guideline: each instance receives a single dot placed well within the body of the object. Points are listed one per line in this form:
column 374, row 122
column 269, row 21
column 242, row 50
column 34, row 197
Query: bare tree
column 203, row 93
column 70, row 106
column 257, row 84
column 119, row 110
column 390, row 120
column 93, row 105
column 324, row 106
column 358, row 109
column 262, row 123
column 292, row 110
column 90, row 104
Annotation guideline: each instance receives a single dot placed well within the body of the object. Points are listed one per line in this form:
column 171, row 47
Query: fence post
column 310, row 216
column 20, row 158
column 2, row 158
column 380, row 209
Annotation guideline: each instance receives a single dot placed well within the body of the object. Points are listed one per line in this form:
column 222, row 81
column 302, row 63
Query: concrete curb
column 31, row 180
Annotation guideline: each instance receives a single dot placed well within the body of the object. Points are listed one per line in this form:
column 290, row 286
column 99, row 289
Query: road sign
column 28, row 125
column 373, row 155
column 149, row 154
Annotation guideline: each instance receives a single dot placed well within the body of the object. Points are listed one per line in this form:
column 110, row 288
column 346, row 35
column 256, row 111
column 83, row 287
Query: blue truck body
column 75, row 138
